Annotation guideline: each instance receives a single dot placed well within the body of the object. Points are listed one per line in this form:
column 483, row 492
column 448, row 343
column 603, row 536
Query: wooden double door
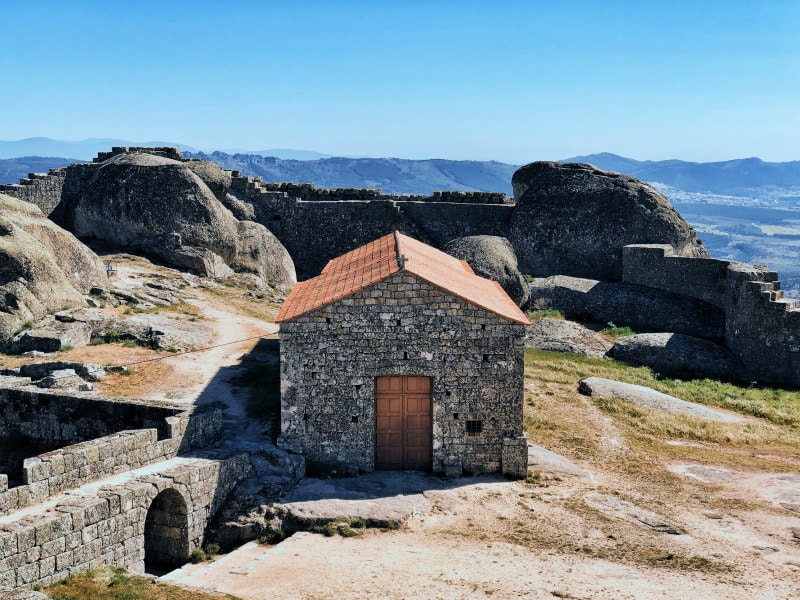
column 403, row 432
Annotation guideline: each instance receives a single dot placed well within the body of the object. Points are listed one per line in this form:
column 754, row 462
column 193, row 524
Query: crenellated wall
column 762, row 327
column 42, row 189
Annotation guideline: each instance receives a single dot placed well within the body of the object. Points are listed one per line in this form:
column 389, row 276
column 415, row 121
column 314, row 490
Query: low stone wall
column 62, row 419
column 94, row 458
column 108, row 526
column 657, row 266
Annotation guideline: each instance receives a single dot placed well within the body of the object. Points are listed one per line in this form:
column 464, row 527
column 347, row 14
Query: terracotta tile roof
column 376, row 261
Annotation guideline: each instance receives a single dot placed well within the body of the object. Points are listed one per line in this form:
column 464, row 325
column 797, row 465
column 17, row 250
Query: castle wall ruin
column 112, row 474
column 762, row 327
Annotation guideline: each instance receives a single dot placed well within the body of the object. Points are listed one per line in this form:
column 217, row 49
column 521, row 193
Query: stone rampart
column 42, row 189
column 63, row 419
column 348, row 224
column 762, row 327
column 159, row 517
column 166, row 151
column 52, row 417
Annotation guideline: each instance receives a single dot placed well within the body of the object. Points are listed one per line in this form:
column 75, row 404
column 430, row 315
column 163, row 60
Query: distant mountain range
column 748, row 180
column 746, row 210
column 741, row 177
column 392, row 175
column 85, row 150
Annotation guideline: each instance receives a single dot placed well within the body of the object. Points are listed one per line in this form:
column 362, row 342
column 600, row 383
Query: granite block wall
column 109, row 526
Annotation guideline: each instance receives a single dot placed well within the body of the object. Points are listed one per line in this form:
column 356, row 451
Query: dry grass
column 117, row 584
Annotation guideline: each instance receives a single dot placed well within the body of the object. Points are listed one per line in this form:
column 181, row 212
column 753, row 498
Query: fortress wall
column 444, row 221
column 762, row 329
column 41, row 189
column 105, row 527
column 79, row 463
column 62, row 419
column 315, row 232
column 656, row 266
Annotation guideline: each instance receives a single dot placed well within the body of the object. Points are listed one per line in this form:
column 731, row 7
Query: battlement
column 762, row 326
column 308, row 192
column 165, row 151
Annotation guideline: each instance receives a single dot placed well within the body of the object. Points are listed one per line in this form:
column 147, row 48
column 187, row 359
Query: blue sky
column 510, row 81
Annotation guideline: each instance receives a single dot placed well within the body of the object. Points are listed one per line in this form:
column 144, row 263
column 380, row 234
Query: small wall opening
column 166, row 533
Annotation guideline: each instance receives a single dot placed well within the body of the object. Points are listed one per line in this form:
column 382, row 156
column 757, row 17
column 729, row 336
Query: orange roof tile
column 376, row 261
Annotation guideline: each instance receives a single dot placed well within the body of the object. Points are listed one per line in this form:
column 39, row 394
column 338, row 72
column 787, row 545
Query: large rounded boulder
column 492, row 257
column 42, row 267
column 166, row 209
column 574, row 219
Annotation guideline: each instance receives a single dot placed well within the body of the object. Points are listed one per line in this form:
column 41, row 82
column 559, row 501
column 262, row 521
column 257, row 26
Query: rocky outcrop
column 636, row 306
column 558, row 335
column 675, row 354
column 492, row 257
column 574, row 219
column 171, row 210
column 42, row 268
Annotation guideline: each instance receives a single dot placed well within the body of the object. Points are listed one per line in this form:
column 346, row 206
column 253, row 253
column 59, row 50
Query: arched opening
column 166, row 533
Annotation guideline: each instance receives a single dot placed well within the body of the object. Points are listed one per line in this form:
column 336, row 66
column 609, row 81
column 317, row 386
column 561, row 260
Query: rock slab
column 599, row 387
column 558, row 335
column 675, row 353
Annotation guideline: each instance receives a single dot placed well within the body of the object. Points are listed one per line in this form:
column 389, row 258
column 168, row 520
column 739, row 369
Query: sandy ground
column 642, row 525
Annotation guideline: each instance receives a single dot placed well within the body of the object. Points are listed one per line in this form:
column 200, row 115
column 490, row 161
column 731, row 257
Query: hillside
column 392, row 175
column 749, row 177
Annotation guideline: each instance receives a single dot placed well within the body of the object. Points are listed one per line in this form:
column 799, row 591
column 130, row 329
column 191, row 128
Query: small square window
column 474, row 428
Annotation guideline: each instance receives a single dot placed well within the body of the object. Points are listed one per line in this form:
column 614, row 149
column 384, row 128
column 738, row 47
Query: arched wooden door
column 403, row 431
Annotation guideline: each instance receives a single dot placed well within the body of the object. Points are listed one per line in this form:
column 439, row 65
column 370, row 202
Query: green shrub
column 197, row 556
column 67, row 347
column 129, row 343
column 25, row 325
column 211, row 549
column 272, row 537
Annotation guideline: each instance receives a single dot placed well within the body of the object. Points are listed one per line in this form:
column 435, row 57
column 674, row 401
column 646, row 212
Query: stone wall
column 109, row 526
column 62, row 419
column 331, row 357
column 316, row 232
column 762, row 328
column 42, row 189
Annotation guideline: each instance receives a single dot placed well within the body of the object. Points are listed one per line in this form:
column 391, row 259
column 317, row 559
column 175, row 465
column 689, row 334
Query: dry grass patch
column 117, row 584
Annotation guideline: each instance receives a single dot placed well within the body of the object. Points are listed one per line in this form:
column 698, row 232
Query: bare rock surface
column 42, row 267
column 492, row 257
column 574, row 219
column 622, row 509
column 626, row 304
column 378, row 498
column 558, row 335
column 50, row 335
column 675, row 353
column 172, row 210
column 599, row 387
column 542, row 459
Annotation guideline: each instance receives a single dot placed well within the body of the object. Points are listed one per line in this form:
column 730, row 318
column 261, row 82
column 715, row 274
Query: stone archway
column 166, row 532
